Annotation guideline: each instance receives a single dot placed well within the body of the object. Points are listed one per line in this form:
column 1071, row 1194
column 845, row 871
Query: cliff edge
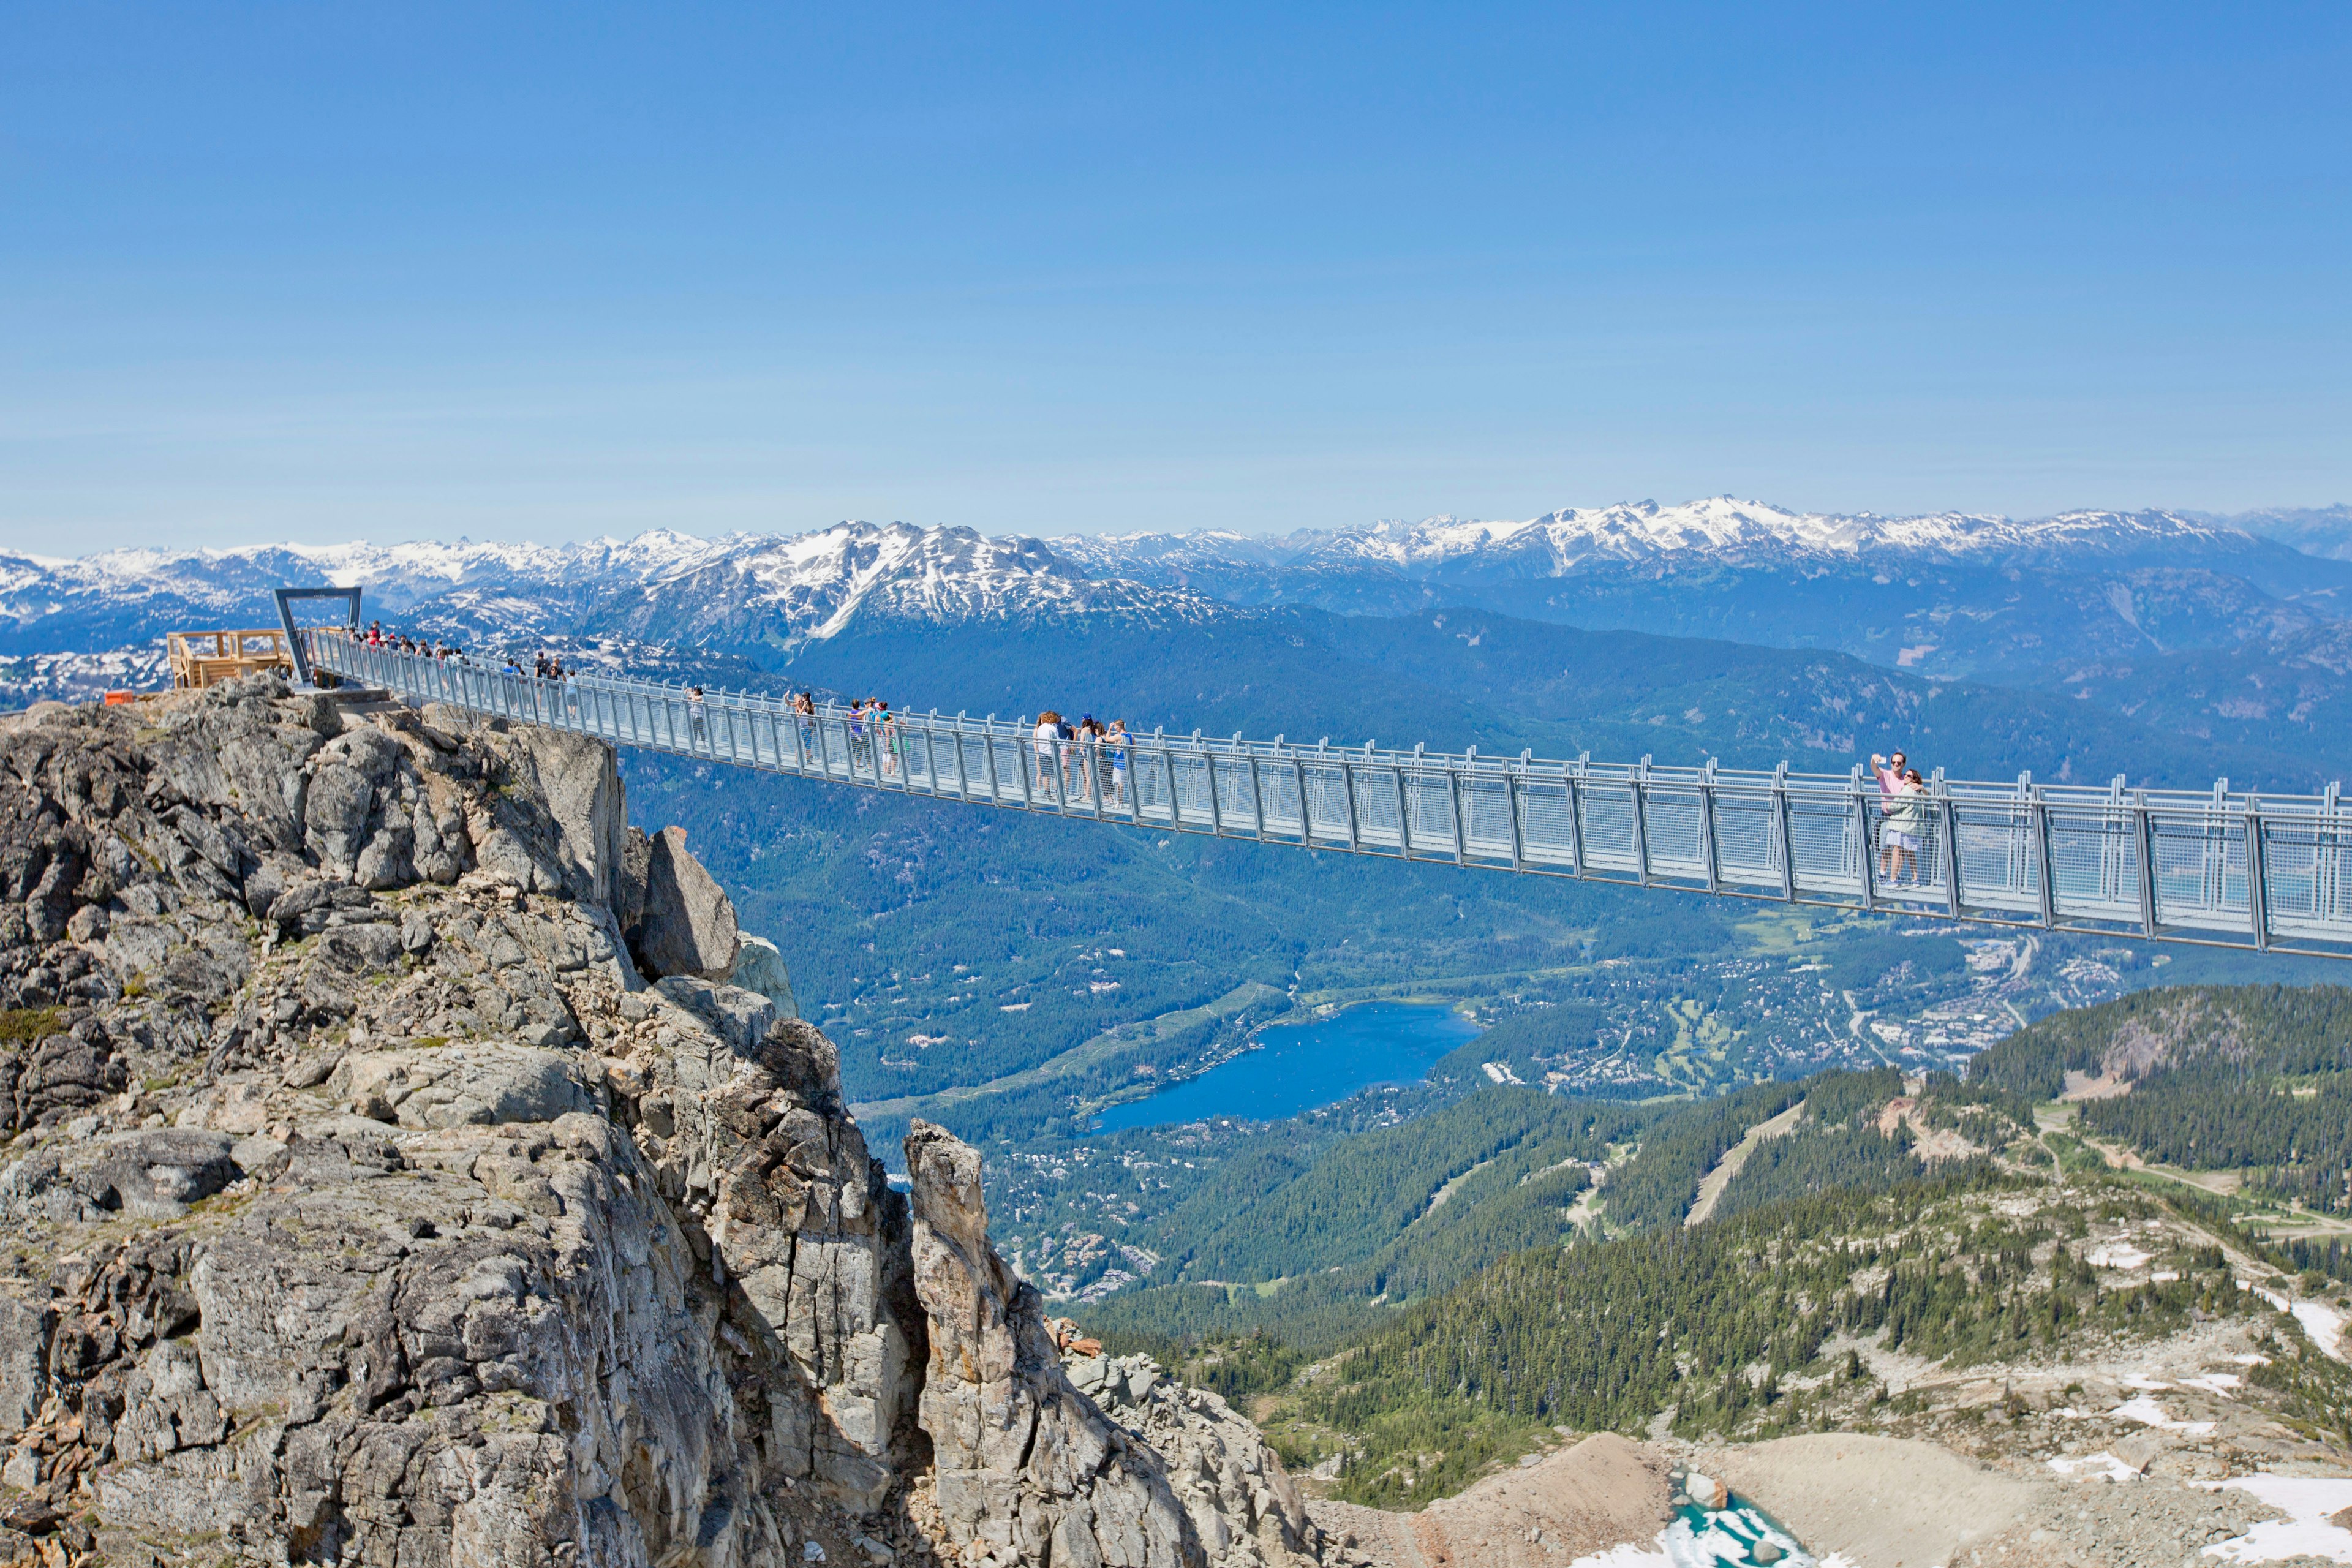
column 365, row 1203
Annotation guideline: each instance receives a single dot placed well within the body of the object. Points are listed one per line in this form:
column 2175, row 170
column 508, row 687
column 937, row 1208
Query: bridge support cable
column 2267, row 873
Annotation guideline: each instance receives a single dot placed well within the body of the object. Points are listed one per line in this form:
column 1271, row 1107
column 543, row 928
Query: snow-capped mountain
column 780, row 593
column 1718, row 528
column 1952, row 592
column 126, row 597
column 742, row 592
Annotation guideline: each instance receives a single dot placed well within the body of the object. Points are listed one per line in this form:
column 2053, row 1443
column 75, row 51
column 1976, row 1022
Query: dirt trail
column 1879, row 1500
column 1603, row 1492
column 1711, row 1186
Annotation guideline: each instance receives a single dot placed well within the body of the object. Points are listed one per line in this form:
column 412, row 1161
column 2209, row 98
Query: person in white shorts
column 1048, row 737
column 1906, row 819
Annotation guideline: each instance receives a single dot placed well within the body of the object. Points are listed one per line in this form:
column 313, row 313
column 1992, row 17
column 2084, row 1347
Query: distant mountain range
column 1950, row 594
column 2186, row 627
column 1947, row 595
column 2315, row 530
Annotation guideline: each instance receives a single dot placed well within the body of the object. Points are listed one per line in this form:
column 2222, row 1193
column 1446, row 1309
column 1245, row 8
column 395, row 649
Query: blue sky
column 323, row 272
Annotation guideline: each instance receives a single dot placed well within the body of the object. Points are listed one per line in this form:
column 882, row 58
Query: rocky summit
column 411, row 1166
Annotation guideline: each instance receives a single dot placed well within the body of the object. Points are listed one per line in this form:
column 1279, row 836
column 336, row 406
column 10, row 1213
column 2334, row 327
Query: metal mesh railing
column 2169, row 864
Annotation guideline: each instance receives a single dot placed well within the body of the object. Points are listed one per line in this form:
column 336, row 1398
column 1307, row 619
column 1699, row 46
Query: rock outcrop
column 364, row 1203
column 1241, row 1503
column 1027, row 1470
column 678, row 919
column 759, row 966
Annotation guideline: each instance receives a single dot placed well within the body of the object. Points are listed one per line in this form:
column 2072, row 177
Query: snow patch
column 2324, row 1324
column 2308, row 1531
column 2117, row 1255
column 2220, row 1382
column 2148, row 1413
column 2096, row 1466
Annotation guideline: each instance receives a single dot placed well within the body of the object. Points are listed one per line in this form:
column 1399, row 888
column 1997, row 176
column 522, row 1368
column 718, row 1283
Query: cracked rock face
column 1027, row 1469
column 365, row 1205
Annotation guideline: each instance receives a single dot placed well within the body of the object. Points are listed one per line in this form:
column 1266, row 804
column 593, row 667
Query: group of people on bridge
column 1085, row 760
column 394, row 642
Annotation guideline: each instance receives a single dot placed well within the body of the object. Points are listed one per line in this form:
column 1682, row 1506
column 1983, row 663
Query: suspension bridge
column 2223, row 867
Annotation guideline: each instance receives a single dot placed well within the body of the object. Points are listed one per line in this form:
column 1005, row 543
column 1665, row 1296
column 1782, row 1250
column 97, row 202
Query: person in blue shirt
column 1115, row 746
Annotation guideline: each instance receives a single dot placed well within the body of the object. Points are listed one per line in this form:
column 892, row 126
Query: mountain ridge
column 1950, row 595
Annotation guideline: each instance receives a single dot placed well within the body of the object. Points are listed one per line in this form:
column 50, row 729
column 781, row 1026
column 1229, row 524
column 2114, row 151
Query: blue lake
column 1297, row 1066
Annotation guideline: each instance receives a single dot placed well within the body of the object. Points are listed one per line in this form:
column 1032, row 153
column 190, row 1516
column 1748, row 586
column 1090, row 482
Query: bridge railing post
column 1513, row 799
column 1948, row 851
column 1348, row 787
column 1404, row 813
column 2258, row 909
column 1637, row 789
column 2042, row 861
column 1706, row 828
column 1256, row 797
column 1865, row 851
column 1454, row 783
column 1784, row 825
column 1573, row 774
column 1305, row 807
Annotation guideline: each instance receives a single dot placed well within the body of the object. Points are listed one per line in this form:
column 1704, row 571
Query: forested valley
column 1411, row 1305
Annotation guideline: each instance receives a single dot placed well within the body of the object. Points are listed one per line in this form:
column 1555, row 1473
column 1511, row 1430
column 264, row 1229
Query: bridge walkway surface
column 2218, row 867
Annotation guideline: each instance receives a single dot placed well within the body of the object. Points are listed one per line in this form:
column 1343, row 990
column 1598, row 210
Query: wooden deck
column 200, row 658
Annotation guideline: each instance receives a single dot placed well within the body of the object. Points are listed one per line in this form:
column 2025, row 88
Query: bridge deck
column 2227, row 869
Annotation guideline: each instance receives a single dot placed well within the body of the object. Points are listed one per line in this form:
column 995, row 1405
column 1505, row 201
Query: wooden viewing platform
column 200, row 658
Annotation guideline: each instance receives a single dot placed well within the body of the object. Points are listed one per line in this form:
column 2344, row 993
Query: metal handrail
column 2217, row 867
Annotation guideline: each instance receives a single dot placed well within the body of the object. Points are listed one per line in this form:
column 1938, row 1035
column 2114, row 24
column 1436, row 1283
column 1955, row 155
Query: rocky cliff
column 365, row 1201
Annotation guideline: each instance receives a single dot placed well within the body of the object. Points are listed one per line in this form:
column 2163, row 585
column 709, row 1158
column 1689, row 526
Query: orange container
column 117, row 699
